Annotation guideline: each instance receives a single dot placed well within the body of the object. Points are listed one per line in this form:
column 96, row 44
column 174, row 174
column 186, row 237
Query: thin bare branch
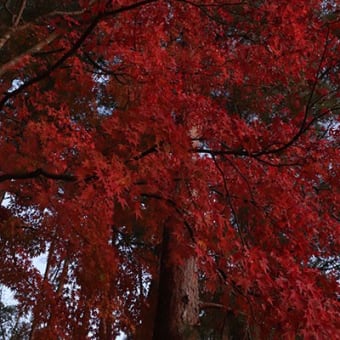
column 35, row 49
column 20, row 13
column 35, row 174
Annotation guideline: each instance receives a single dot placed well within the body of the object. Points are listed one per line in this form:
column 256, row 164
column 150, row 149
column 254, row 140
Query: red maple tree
column 177, row 162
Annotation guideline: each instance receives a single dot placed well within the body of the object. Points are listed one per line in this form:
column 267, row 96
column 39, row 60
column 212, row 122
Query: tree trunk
column 177, row 314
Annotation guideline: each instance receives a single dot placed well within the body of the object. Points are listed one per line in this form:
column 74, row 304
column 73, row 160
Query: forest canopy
column 176, row 163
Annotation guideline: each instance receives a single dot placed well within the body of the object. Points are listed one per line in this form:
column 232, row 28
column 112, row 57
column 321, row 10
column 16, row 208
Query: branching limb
column 96, row 20
column 35, row 174
column 35, row 49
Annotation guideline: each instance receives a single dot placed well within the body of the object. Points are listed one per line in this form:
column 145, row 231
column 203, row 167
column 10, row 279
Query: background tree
column 170, row 159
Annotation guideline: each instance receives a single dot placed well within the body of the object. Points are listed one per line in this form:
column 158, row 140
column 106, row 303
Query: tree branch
column 15, row 22
column 35, row 174
column 98, row 18
column 264, row 152
column 15, row 28
column 36, row 48
column 20, row 13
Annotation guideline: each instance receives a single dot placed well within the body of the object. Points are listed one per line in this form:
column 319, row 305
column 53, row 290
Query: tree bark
column 177, row 314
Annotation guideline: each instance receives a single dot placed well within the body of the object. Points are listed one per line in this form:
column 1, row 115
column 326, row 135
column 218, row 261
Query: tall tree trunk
column 178, row 300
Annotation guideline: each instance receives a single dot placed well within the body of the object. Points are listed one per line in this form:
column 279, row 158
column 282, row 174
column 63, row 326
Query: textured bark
column 178, row 301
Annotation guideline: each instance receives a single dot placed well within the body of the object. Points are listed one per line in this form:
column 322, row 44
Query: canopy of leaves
column 219, row 118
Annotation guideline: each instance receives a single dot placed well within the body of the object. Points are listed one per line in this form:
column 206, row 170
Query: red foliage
column 219, row 118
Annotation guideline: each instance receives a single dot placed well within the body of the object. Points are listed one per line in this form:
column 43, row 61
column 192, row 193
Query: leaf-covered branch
column 72, row 50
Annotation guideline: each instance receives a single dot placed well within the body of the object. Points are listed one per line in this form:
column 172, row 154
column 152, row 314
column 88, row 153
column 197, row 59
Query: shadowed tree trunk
column 177, row 314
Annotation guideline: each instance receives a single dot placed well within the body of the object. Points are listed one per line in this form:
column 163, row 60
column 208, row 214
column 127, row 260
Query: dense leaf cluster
column 216, row 121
